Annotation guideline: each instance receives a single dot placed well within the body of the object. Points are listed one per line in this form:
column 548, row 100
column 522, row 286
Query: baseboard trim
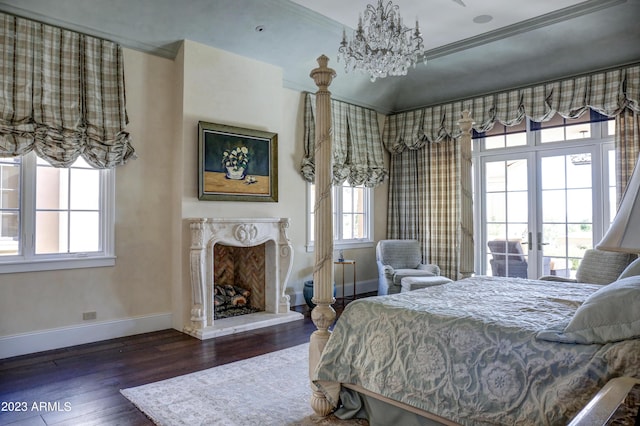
column 56, row 338
column 297, row 298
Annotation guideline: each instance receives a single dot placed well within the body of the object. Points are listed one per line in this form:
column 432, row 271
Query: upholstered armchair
column 398, row 259
column 598, row 267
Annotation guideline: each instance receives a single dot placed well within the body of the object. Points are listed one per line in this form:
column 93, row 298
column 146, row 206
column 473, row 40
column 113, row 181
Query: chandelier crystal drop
column 382, row 45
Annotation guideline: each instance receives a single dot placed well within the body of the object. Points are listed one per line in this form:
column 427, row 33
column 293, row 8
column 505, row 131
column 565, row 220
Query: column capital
column 323, row 75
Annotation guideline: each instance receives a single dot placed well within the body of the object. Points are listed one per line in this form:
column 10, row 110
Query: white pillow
column 631, row 270
column 610, row 314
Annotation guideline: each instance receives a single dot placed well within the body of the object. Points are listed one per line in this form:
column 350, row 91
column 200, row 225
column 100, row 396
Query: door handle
column 528, row 242
column 540, row 242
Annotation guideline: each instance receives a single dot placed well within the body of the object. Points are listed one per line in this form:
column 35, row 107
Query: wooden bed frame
column 323, row 315
column 603, row 406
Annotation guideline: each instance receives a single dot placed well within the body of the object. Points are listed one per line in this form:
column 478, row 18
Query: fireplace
column 253, row 254
column 239, row 280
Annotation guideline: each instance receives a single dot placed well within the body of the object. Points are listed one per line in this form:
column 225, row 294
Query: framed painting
column 236, row 164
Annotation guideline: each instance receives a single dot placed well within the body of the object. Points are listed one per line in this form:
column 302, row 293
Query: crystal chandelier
column 383, row 45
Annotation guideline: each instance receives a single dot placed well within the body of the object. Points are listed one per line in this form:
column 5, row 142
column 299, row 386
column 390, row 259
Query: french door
column 540, row 210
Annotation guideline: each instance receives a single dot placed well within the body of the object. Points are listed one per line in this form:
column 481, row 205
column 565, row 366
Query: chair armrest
column 388, row 271
column 434, row 269
column 557, row 278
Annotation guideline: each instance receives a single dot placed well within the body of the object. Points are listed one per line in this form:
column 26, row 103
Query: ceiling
column 524, row 42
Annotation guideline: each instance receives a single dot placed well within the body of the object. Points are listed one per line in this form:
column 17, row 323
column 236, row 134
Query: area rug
column 267, row 390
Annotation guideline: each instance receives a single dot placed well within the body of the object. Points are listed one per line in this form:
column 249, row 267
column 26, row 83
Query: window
column 555, row 195
column 565, row 129
column 54, row 218
column 352, row 216
column 501, row 136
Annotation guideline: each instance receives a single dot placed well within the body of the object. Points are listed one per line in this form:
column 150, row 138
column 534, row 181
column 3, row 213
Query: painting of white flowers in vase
column 236, row 164
column 236, row 161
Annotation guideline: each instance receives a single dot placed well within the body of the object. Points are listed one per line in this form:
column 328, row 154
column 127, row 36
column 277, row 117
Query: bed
column 482, row 350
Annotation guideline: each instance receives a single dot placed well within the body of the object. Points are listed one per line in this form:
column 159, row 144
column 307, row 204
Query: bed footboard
column 606, row 402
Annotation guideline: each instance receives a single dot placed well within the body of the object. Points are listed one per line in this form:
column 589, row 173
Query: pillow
column 631, row 270
column 610, row 314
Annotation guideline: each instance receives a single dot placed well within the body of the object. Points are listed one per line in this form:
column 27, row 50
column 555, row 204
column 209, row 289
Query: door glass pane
column 515, row 201
column 555, row 198
column 579, row 171
column 567, row 212
column 496, row 208
column 552, row 172
column 494, row 177
column 579, row 208
column 556, row 249
column 517, row 176
column 506, row 215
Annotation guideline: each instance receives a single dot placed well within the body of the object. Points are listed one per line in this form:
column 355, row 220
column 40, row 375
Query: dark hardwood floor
column 80, row 385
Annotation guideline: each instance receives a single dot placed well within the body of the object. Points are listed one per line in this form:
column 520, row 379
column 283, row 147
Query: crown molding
column 541, row 21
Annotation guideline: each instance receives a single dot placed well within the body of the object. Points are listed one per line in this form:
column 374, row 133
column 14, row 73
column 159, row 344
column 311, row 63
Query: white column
column 323, row 314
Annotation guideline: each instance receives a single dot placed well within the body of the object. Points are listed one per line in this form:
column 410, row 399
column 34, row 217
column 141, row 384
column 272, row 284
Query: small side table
column 353, row 265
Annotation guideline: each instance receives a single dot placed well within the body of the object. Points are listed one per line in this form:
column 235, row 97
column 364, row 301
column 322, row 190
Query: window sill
column 347, row 245
column 56, row 264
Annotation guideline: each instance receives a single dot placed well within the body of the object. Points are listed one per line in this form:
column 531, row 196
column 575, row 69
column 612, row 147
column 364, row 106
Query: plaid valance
column 433, row 181
column 61, row 94
column 357, row 148
column 608, row 92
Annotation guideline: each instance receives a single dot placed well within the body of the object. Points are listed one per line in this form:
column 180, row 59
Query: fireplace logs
column 231, row 300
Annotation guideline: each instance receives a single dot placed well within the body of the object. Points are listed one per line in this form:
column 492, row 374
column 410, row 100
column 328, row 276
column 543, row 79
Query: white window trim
column 31, row 262
column 343, row 244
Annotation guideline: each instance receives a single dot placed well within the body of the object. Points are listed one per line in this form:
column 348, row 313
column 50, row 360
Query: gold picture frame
column 236, row 164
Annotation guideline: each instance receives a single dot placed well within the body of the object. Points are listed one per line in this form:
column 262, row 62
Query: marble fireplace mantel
column 239, row 232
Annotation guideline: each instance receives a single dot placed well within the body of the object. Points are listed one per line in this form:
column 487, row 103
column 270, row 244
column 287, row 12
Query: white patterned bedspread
column 467, row 351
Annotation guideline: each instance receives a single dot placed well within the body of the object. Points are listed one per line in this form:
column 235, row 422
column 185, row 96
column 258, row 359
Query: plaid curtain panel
column 424, row 202
column 62, row 95
column 627, row 142
column 356, row 144
column 448, row 232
